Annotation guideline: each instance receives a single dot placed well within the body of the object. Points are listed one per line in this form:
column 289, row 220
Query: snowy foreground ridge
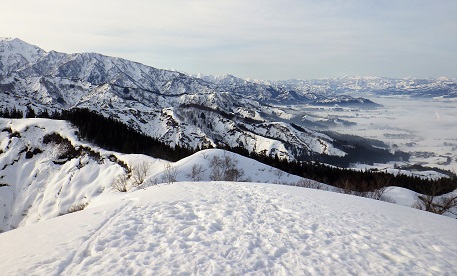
column 214, row 228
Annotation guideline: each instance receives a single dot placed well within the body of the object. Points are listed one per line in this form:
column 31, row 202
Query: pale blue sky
column 261, row 39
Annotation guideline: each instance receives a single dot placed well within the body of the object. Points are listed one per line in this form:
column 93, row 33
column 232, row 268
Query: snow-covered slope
column 43, row 180
column 46, row 171
column 214, row 228
column 200, row 227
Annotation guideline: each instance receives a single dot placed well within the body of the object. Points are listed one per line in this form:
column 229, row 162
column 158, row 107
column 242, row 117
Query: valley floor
column 213, row 228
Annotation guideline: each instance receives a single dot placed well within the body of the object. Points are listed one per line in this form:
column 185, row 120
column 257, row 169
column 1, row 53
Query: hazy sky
column 261, row 39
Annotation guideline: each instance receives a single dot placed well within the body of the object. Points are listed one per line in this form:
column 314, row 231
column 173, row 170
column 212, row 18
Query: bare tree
column 379, row 194
column 120, row 183
column 233, row 174
column 150, row 182
column 347, row 186
column 139, row 173
column 196, row 173
column 216, row 165
column 225, row 169
column 169, row 173
column 308, row 183
column 279, row 173
column 230, row 168
column 437, row 204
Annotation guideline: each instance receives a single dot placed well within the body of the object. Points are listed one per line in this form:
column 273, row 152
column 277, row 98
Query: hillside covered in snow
column 47, row 171
column 64, row 213
column 213, row 228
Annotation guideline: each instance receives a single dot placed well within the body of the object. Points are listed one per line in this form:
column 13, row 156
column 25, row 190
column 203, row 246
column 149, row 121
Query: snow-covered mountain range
column 176, row 108
column 441, row 87
column 171, row 106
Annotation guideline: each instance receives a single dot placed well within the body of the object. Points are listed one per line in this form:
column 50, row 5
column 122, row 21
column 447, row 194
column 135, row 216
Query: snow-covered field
column 214, row 228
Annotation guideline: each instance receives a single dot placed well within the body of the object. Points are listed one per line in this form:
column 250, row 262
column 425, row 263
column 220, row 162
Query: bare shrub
column 279, row 173
column 438, row 205
column 433, row 200
column 216, row 165
column 151, row 182
column 387, row 199
column 377, row 193
column 225, row 169
column 169, row 174
column 308, row 183
column 120, row 183
column 233, row 174
column 139, row 173
column 77, row 207
column 63, row 147
column 196, row 173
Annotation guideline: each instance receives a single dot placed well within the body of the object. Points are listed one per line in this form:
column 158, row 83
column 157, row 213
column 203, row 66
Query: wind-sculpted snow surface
column 214, row 228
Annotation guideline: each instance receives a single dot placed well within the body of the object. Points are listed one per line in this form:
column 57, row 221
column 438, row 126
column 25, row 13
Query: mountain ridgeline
column 182, row 112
